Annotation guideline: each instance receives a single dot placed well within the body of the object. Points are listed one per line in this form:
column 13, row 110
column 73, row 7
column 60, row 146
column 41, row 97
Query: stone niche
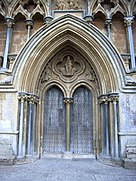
column 74, row 7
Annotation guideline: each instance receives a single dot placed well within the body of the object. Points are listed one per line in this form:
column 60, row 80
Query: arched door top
column 72, row 31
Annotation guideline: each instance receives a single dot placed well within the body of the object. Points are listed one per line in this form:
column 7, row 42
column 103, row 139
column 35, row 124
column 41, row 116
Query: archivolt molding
column 68, row 67
column 94, row 46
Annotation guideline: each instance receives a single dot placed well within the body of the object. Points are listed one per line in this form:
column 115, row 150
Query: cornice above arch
column 94, row 46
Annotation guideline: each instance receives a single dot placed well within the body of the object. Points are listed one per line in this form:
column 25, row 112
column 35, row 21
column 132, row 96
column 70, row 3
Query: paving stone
column 47, row 169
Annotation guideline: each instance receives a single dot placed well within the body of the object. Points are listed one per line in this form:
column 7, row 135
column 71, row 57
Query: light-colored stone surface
column 66, row 170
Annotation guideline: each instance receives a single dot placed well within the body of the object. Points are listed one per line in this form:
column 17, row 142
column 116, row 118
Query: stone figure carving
column 73, row 4
column 68, row 69
column 60, row 5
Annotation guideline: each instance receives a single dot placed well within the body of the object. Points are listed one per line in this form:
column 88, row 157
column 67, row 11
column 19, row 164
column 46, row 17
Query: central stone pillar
column 68, row 101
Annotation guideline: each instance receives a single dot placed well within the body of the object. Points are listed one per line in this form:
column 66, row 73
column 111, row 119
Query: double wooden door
column 81, row 122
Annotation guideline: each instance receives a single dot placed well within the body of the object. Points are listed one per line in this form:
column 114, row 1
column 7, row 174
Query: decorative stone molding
column 67, row 67
column 108, row 9
column 1, row 9
column 108, row 98
column 23, row 8
column 24, row 96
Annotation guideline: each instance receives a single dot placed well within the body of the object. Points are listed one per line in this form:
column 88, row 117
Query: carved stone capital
column 129, row 20
column 108, row 22
column 9, row 22
column 103, row 99
column 68, row 100
column 89, row 19
column 113, row 99
column 29, row 23
column 22, row 97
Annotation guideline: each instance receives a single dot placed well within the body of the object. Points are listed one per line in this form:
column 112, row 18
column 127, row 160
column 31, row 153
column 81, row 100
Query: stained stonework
column 2, row 34
column 118, row 31
column 69, row 44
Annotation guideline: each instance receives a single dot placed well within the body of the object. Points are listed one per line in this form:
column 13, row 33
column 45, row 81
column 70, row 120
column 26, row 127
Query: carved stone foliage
column 68, row 67
column 68, row 4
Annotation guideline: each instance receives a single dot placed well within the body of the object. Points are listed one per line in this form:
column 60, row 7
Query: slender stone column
column 30, row 119
column 111, row 126
column 108, row 23
column 29, row 24
column 21, row 98
column 116, row 144
column 128, row 22
column 105, row 125
column 25, row 126
column 88, row 17
column 68, row 101
column 9, row 23
column 48, row 19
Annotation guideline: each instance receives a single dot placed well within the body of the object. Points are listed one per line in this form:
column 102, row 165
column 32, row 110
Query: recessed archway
column 69, row 38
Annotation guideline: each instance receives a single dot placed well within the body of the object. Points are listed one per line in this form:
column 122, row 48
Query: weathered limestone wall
column 38, row 23
column 127, row 125
column 119, row 34
column 8, row 123
column 2, row 34
column 19, row 34
column 99, row 22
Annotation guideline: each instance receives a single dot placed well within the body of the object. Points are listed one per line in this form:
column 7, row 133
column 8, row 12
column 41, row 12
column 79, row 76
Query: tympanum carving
column 66, row 68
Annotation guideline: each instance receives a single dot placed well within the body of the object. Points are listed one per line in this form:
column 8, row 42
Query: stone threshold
column 68, row 155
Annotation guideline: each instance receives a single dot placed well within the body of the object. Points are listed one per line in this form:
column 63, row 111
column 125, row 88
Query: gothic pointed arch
column 71, row 31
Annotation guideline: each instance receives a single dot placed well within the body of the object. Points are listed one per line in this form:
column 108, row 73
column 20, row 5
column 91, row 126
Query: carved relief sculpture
column 60, row 5
column 69, row 4
column 73, row 4
column 68, row 69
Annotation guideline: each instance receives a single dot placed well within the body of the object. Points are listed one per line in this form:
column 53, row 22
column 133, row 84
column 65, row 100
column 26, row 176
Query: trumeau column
column 108, row 23
column 9, row 23
column 128, row 22
column 29, row 25
column 68, row 101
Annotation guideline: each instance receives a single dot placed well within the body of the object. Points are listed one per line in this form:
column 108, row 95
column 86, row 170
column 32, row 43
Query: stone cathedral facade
column 68, row 80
